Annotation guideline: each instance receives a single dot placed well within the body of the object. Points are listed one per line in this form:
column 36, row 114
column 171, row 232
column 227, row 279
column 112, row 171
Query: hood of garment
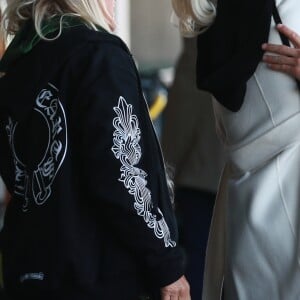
column 24, row 66
column 24, row 42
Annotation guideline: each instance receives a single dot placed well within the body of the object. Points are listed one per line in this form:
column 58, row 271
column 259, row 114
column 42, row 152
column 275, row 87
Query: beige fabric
column 189, row 139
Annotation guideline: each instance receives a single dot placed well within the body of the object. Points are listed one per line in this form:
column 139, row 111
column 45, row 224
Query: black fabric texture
column 230, row 50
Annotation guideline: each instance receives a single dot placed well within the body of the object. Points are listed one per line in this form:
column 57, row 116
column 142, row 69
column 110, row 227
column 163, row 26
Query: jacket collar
column 27, row 38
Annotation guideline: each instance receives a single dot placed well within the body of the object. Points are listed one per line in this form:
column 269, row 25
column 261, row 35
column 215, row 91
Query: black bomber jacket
column 90, row 215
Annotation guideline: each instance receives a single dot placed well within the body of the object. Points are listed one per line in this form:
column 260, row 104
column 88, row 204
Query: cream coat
column 254, row 240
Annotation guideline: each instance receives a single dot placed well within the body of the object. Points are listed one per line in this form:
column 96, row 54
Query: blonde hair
column 93, row 12
column 2, row 38
column 194, row 15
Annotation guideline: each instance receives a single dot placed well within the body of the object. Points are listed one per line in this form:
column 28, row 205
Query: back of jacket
column 90, row 216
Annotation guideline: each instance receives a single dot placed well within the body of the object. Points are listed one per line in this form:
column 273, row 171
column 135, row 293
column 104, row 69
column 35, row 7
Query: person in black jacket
column 90, row 215
column 253, row 247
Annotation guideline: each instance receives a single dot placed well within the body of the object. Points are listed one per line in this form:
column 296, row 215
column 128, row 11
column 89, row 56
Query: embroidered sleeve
column 126, row 148
column 121, row 170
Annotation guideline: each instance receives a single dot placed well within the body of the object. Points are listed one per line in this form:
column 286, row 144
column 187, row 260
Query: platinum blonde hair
column 2, row 38
column 93, row 12
column 194, row 15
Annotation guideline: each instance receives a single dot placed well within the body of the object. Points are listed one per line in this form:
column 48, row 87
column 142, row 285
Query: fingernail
column 264, row 46
column 279, row 25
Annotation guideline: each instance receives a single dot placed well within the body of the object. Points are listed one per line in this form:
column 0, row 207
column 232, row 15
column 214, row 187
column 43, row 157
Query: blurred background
column 146, row 28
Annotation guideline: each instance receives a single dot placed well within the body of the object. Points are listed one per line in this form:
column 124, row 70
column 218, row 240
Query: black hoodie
column 90, row 216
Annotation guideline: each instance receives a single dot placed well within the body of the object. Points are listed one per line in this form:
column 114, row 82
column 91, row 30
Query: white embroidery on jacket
column 126, row 148
column 37, row 184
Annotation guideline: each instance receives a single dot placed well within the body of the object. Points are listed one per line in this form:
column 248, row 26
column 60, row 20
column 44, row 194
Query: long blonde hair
column 2, row 38
column 93, row 12
column 194, row 15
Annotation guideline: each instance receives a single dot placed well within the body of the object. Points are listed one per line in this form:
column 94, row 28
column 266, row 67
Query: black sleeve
column 122, row 168
column 230, row 50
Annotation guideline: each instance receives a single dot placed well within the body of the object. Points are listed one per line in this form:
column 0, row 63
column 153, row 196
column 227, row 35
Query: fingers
column 280, row 60
column 283, row 58
column 168, row 296
column 288, row 65
column 283, row 68
column 290, row 34
column 281, row 50
column 182, row 294
column 175, row 297
column 179, row 290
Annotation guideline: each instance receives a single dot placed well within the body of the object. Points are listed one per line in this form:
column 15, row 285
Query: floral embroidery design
column 126, row 148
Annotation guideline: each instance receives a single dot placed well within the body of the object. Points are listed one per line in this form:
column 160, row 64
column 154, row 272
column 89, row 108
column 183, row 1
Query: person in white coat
column 253, row 249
